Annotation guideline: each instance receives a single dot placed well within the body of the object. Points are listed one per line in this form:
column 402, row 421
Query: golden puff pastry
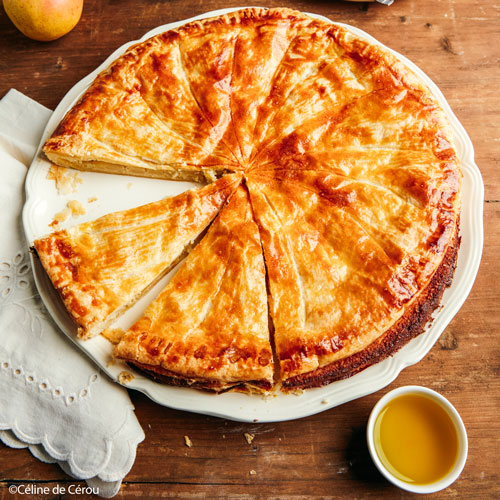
column 168, row 108
column 345, row 259
column 208, row 328
column 101, row 268
column 349, row 172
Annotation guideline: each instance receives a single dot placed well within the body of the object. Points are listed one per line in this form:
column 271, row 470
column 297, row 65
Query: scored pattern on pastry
column 208, row 327
column 350, row 286
column 348, row 171
column 103, row 267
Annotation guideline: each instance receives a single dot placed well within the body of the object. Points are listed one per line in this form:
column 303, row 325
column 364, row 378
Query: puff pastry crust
column 349, row 173
column 101, row 268
column 208, row 328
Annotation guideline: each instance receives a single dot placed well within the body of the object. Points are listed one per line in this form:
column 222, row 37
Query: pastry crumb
column 61, row 216
column 253, row 472
column 114, row 335
column 249, row 437
column 125, row 377
column 188, row 442
column 325, row 402
column 66, row 180
column 73, row 208
column 297, row 392
column 129, row 185
column 76, row 208
column 92, row 199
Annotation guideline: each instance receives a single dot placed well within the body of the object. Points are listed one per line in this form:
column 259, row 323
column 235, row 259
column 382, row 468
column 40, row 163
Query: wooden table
column 324, row 456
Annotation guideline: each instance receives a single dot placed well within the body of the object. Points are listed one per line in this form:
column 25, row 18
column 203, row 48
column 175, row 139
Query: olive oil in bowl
column 417, row 439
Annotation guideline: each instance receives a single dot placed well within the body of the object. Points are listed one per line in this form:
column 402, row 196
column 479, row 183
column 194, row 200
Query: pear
column 44, row 20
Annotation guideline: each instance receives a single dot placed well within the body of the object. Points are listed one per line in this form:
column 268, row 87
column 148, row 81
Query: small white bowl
column 455, row 418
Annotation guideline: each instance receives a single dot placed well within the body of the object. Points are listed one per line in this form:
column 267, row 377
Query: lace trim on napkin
column 30, row 326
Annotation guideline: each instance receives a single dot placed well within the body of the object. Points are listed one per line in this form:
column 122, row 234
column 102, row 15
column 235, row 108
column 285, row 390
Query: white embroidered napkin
column 52, row 398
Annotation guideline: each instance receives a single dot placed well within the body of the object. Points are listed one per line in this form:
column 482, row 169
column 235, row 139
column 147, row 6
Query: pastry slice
column 209, row 327
column 101, row 268
column 348, row 285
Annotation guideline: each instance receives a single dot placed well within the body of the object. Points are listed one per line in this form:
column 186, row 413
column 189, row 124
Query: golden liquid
column 415, row 439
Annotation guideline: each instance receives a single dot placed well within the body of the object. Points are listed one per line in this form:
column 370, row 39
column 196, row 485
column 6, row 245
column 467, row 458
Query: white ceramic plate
column 115, row 192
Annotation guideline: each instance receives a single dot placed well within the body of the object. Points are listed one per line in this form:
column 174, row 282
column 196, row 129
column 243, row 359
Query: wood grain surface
column 456, row 42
